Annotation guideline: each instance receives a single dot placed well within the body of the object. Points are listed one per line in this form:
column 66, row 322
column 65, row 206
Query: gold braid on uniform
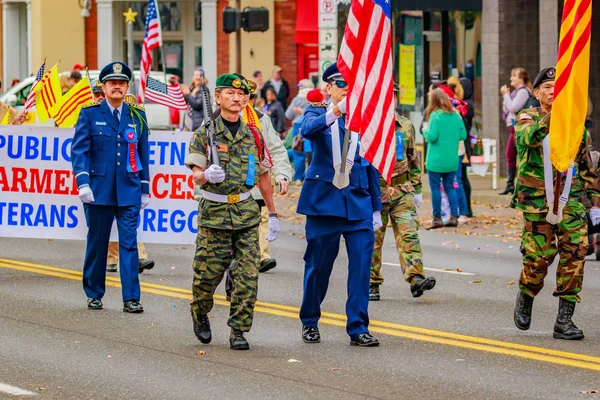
column 90, row 104
column 319, row 104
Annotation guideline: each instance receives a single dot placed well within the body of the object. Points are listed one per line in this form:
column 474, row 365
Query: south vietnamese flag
column 570, row 105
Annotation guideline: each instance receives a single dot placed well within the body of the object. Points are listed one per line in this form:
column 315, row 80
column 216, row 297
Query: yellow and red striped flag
column 48, row 93
column 66, row 110
column 569, row 108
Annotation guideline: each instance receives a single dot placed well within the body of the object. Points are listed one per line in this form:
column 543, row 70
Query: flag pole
column 556, row 193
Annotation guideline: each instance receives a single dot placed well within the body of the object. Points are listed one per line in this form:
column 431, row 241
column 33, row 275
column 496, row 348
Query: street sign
column 328, row 51
column 328, row 20
column 327, row 6
column 328, row 36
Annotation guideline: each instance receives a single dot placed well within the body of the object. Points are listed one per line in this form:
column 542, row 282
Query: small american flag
column 170, row 96
column 31, row 97
column 365, row 61
column 152, row 40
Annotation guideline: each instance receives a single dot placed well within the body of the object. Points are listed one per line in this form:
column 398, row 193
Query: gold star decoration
column 130, row 15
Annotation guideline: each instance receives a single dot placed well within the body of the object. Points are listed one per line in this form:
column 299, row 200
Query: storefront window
column 198, row 16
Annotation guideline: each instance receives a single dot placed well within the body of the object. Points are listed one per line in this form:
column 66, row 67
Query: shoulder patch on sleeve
column 90, row 104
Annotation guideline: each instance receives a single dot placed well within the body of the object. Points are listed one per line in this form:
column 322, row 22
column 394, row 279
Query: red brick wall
column 91, row 38
column 222, row 40
column 286, row 54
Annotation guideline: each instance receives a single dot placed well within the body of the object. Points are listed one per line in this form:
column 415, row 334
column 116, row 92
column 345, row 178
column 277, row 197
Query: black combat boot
column 523, row 310
column 237, row 341
column 564, row 328
column 202, row 328
column 510, row 182
column 420, row 285
column 374, row 293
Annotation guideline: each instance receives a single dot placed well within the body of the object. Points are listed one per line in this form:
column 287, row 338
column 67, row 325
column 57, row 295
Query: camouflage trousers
column 215, row 249
column 405, row 222
column 541, row 243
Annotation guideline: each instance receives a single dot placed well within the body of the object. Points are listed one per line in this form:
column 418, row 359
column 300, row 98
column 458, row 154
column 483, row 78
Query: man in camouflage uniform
column 542, row 241
column 228, row 216
column 400, row 202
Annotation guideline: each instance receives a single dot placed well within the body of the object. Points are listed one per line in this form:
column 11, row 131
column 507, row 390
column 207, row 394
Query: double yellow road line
column 388, row 328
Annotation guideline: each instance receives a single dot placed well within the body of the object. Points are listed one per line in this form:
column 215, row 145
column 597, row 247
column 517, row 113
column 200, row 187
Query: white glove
column 85, row 194
column 595, row 216
column 214, row 174
column 145, row 200
column 418, row 200
column 273, row 229
column 342, row 105
column 377, row 220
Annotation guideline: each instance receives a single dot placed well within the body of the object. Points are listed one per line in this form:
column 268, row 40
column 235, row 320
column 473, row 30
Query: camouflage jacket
column 530, row 193
column 236, row 149
column 406, row 177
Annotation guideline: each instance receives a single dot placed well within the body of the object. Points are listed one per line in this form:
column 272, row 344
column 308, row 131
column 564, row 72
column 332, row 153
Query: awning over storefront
column 307, row 22
column 437, row 5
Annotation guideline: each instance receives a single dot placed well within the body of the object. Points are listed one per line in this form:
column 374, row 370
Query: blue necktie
column 116, row 114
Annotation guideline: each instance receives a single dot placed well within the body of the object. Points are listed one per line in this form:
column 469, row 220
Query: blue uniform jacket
column 100, row 155
column 319, row 197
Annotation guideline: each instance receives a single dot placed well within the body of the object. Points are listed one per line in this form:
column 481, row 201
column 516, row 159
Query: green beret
column 232, row 81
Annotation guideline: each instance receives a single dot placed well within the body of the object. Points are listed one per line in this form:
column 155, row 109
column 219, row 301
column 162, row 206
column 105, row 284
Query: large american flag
column 152, row 40
column 365, row 61
column 38, row 77
column 170, row 96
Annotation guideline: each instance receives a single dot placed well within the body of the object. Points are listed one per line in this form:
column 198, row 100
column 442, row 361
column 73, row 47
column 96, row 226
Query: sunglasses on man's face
column 339, row 84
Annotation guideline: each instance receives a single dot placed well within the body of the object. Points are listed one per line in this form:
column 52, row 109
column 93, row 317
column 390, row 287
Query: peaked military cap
column 545, row 75
column 332, row 73
column 115, row 71
column 96, row 86
column 396, row 87
column 232, row 81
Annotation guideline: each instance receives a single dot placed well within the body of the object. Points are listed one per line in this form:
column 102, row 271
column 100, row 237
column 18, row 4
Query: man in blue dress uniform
column 110, row 161
column 340, row 196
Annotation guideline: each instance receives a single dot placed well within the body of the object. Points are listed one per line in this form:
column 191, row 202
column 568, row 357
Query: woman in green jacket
column 446, row 129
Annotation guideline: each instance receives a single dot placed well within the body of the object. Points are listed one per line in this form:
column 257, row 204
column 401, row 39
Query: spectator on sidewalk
column 513, row 103
column 294, row 113
column 193, row 97
column 279, row 86
column 446, row 129
column 274, row 109
column 466, row 161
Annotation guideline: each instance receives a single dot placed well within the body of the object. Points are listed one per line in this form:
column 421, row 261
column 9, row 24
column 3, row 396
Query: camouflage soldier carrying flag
column 400, row 202
column 228, row 216
column 543, row 240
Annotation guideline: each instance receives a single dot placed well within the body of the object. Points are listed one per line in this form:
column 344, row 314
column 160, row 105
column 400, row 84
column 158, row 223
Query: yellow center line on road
column 388, row 328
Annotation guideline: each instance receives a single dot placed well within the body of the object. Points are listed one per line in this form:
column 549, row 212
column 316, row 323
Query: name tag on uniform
column 100, row 123
column 251, row 170
column 399, row 146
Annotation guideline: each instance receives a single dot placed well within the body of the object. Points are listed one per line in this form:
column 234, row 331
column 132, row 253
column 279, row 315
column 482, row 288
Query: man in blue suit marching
column 110, row 161
column 340, row 196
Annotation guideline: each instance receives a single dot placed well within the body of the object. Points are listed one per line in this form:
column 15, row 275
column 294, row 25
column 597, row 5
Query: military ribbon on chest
column 131, row 137
column 399, row 146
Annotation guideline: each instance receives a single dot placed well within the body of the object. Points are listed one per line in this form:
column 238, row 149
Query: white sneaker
column 462, row 219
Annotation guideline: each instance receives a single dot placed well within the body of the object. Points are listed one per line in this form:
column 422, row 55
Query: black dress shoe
column 267, row 265
column 202, row 328
column 237, row 341
column 374, row 293
column 133, row 306
column 523, row 310
column 144, row 263
column 95, row 304
column 311, row 334
column 111, row 268
column 420, row 285
column 364, row 340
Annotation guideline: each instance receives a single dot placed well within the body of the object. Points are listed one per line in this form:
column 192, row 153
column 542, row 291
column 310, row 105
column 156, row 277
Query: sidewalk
column 481, row 191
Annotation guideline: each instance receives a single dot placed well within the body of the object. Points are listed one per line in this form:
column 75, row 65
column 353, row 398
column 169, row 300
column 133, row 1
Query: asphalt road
column 456, row 342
